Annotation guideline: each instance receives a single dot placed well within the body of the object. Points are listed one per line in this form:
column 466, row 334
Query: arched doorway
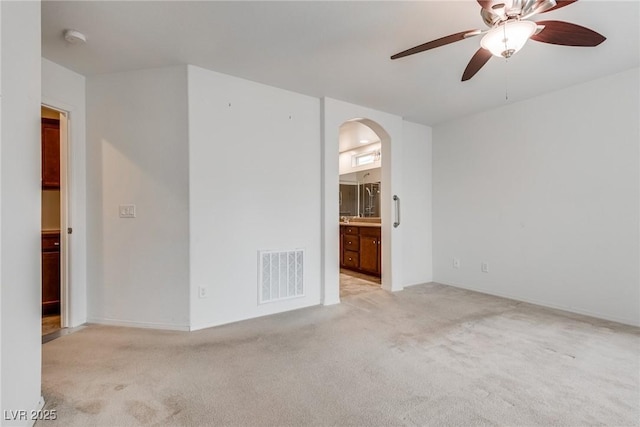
column 389, row 130
column 360, row 164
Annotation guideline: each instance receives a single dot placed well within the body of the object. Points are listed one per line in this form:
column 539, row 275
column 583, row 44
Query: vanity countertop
column 361, row 224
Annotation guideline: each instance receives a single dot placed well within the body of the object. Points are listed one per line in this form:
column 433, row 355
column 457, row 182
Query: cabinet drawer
column 351, row 230
column 351, row 259
column 351, row 243
column 370, row 231
column 50, row 242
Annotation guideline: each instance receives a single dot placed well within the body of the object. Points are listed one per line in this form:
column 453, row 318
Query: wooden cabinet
column 361, row 249
column 50, row 153
column 370, row 250
column 350, row 246
column 50, row 272
column 351, row 243
column 341, row 246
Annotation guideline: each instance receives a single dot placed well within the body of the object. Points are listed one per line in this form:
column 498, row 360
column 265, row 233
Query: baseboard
column 331, row 301
column 392, row 288
column 39, row 408
column 28, row 418
column 419, row 283
column 135, row 324
column 205, row 325
column 548, row 305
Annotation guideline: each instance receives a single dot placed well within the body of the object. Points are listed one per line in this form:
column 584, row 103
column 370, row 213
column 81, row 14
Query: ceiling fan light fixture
column 508, row 38
column 74, row 37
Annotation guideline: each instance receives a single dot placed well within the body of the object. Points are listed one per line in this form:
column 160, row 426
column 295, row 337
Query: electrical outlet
column 202, row 292
column 484, row 266
column 127, row 211
column 456, row 263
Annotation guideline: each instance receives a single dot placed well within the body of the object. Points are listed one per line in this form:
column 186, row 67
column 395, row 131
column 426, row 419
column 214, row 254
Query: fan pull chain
column 506, row 67
column 506, row 80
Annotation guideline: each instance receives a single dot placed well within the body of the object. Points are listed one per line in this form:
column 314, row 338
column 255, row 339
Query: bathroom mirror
column 349, row 197
column 360, row 194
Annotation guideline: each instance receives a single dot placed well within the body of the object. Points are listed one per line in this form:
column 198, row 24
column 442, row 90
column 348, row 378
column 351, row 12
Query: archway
column 362, row 190
column 389, row 128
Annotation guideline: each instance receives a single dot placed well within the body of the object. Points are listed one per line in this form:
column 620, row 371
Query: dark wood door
column 341, row 246
column 50, row 273
column 50, row 153
column 50, row 282
column 369, row 254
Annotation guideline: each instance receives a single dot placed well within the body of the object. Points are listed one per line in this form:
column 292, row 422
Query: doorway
column 389, row 129
column 360, row 184
column 54, row 215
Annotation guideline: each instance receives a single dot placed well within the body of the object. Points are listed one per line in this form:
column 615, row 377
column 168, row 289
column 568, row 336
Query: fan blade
column 567, row 34
column 477, row 61
column 561, row 3
column 434, row 43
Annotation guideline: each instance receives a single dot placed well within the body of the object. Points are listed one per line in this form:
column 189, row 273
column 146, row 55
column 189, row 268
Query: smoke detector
column 74, row 37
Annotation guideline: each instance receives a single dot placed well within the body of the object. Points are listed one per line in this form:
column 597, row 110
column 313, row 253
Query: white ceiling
column 341, row 49
column 353, row 134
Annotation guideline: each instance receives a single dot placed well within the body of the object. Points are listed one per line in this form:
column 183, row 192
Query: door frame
column 65, row 210
column 390, row 130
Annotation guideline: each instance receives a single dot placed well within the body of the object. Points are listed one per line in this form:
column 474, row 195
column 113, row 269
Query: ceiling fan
column 510, row 29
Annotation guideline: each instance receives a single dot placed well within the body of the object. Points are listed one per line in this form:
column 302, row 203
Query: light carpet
column 429, row 355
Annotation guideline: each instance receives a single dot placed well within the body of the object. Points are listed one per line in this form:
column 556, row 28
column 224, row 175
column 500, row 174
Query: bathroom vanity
column 361, row 247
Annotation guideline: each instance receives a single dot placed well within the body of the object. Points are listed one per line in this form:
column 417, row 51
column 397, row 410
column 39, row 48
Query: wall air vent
column 281, row 275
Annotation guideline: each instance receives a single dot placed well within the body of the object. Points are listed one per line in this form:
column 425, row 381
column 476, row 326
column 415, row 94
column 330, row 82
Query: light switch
column 202, row 292
column 127, row 211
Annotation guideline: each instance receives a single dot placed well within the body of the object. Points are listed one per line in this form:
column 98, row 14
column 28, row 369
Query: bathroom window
column 365, row 158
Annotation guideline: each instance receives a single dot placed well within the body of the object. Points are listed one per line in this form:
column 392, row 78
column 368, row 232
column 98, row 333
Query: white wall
column 137, row 153
column 406, row 172
column 65, row 90
column 20, row 358
column 416, row 214
column 254, row 184
column 547, row 192
column 243, row 176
